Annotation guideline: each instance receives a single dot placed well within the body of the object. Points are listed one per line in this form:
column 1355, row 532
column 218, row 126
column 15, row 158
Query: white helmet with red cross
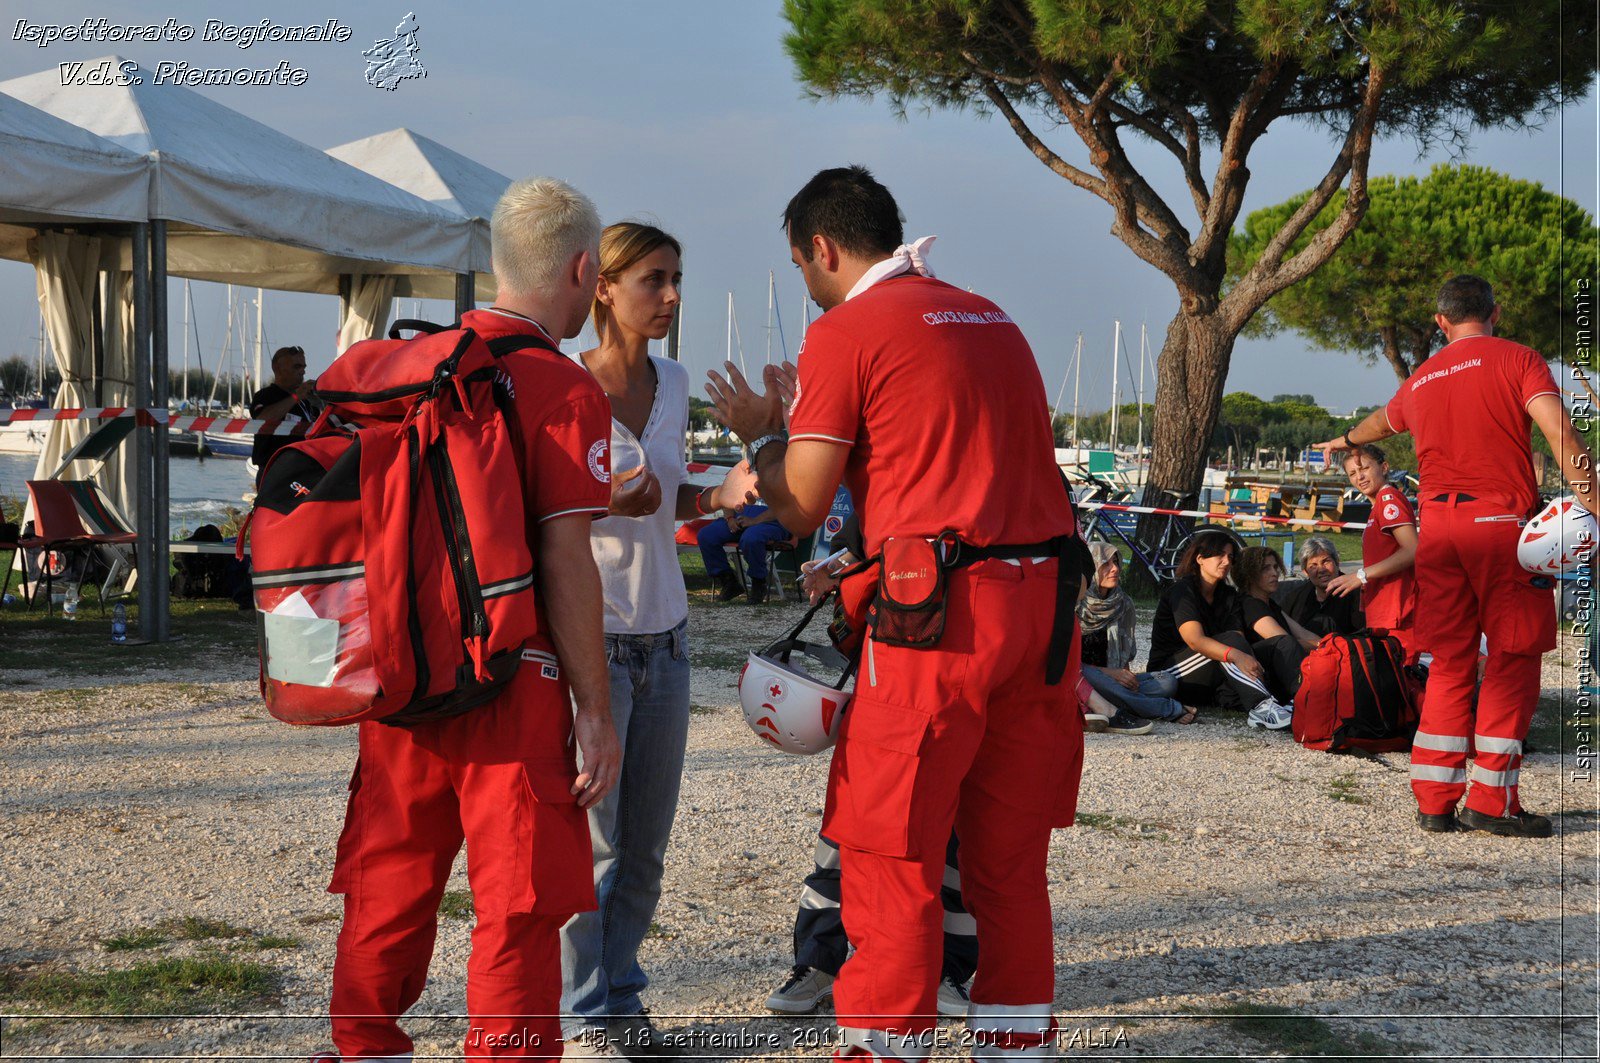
column 1559, row 540
column 786, row 705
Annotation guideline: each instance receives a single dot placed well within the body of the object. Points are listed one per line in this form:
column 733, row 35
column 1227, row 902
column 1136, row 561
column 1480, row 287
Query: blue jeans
column 752, row 544
column 1153, row 700
column 629, row 827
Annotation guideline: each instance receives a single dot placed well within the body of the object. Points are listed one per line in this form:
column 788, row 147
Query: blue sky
column 690, row 114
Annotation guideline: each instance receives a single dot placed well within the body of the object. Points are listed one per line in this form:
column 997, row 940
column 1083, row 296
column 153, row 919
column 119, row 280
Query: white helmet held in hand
column 1559, row 540
column 787, row 706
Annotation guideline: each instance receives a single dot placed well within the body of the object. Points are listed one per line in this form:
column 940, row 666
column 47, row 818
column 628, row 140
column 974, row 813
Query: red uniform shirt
column 938, row 395
column 1387, row 602
column 561, row 422
column 1467, row 408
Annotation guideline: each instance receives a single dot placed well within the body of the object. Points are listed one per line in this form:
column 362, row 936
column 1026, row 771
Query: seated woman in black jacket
column 1196, row 635
column 1276, row 639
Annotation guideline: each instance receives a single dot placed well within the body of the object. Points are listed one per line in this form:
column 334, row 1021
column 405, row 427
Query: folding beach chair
column 73, row 515
column 97, row 447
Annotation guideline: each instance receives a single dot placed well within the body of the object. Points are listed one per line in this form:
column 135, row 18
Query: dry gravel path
column 1215, row 867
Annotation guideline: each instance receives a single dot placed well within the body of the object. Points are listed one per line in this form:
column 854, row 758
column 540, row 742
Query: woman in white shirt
column 646, row 609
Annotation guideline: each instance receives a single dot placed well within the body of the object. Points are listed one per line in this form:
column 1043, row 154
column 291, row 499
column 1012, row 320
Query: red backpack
column 1356, row 693
column 391, row 565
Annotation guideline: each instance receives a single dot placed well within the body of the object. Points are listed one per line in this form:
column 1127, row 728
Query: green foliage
column 16, row 376
column 1452, row 63
column 1531, row 244
column 196, row 985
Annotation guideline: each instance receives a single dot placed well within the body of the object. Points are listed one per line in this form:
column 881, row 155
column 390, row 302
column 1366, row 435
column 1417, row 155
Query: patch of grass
column 456, row 904
column 1302, row 1035
column 81, row 647
column 1556, row 725
column 276, row 941
column 146, row 937
column 658, row 931
column 718, row 660
column 1124, row 826
column 189, row 928
column 319, row 918
column 195, row 985
column 1344, row 788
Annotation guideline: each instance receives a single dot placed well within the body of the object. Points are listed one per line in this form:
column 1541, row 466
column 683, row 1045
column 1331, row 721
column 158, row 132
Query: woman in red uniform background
column 1386, row 578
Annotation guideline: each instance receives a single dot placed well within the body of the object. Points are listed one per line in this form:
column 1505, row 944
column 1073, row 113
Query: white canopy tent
column 226, row 199
column 449, row 180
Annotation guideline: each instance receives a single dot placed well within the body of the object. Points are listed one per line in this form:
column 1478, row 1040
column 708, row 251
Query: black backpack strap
column 501, row 346
column 411, row 324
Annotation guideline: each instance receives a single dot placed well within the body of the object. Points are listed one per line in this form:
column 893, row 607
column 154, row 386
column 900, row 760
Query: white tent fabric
column 367, row 313
column 250, row 205
column 67, row 268
column 446, row 178
column 50, row 170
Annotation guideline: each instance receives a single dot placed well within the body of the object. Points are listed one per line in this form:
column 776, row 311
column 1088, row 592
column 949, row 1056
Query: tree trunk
column 1190, row 375
column 1392, row 353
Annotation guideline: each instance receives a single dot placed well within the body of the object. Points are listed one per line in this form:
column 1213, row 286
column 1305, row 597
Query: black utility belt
column 966, row 554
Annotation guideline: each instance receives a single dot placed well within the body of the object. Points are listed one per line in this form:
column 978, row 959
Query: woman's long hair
column 1251, row 563
column 1207, row 542
column 621, row 245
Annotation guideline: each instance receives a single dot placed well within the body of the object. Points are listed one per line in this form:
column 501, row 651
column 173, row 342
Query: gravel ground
column 1215, row 868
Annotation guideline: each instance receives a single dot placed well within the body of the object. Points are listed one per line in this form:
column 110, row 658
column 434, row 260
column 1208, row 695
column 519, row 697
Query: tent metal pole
column 144, row 493
column 464, row 291
column 97, row 338
column 162, row 567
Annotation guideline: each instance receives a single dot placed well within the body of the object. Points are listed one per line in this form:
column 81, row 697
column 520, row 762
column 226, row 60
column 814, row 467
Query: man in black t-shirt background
column 288, row 394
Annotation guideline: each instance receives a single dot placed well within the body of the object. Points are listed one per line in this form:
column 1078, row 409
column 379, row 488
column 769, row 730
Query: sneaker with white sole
column 1094, row 722
column 806, row 988
column 1272, row 715
column 953, row 999
column 1126, row 723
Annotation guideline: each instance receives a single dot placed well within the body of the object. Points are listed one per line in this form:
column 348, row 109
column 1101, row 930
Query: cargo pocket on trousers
column 872, row 780
column 555, row 859
column 1523, row 620
column 344, row 860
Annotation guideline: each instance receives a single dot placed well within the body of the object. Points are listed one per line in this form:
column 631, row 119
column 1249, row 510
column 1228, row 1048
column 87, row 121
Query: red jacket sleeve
column 569, row 453
column 828, row 405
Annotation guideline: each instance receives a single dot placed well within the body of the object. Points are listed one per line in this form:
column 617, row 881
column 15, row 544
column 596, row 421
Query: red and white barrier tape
column 153, row 416
column 1304, row 522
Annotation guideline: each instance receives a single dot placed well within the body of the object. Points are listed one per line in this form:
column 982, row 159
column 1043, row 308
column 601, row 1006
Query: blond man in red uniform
column 501, row 777
column 1386, row 579
column 1469, row 408
column 927, row 401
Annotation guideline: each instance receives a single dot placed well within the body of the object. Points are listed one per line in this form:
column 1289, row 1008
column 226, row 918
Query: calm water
column 201, row 488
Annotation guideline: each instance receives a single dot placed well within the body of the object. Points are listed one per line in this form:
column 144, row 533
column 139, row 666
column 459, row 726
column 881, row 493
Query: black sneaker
column 758, row 591
column 1524, row 824
column 1126, row 723
column 1440, row 823
column 731, row 588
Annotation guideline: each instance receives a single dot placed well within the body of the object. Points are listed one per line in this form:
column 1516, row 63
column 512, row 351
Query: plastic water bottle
column 69, row 606
column 119, row 624
column 9, row 599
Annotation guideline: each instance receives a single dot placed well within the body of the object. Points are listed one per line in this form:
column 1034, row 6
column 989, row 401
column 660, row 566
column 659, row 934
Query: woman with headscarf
column 1106, row 618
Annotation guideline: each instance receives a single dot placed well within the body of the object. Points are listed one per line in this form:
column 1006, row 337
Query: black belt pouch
column 911, row 594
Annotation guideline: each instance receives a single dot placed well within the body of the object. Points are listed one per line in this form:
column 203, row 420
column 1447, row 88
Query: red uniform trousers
column 964, row 735
column 1469, row 582
column 498, row 778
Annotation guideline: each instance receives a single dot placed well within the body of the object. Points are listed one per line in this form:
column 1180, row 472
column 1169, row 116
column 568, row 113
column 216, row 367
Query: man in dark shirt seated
column 288, row 395
column 1308, row 602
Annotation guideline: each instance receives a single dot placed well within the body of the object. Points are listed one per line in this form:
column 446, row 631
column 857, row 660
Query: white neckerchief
column 906, row 258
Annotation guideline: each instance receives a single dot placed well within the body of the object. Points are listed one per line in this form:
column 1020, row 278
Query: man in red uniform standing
column 500, row 777
column 1469, row 408
column 927, row 401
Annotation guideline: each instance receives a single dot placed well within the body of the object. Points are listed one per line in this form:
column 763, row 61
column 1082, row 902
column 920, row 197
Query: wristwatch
column 1361, row 576
column 754, row 448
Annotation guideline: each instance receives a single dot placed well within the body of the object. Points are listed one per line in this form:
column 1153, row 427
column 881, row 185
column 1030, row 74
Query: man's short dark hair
column 848, row 206
column 1466, row 298
column 286, row 352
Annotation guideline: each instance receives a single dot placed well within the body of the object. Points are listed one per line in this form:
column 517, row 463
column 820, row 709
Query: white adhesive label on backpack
column 301, row 649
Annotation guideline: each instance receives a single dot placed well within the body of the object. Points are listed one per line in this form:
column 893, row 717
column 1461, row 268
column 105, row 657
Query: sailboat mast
column 772, row 295
column 1138, row 453
column 1116, row 342
column 187, row 297
column 1077, row 380
column 261, row 339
